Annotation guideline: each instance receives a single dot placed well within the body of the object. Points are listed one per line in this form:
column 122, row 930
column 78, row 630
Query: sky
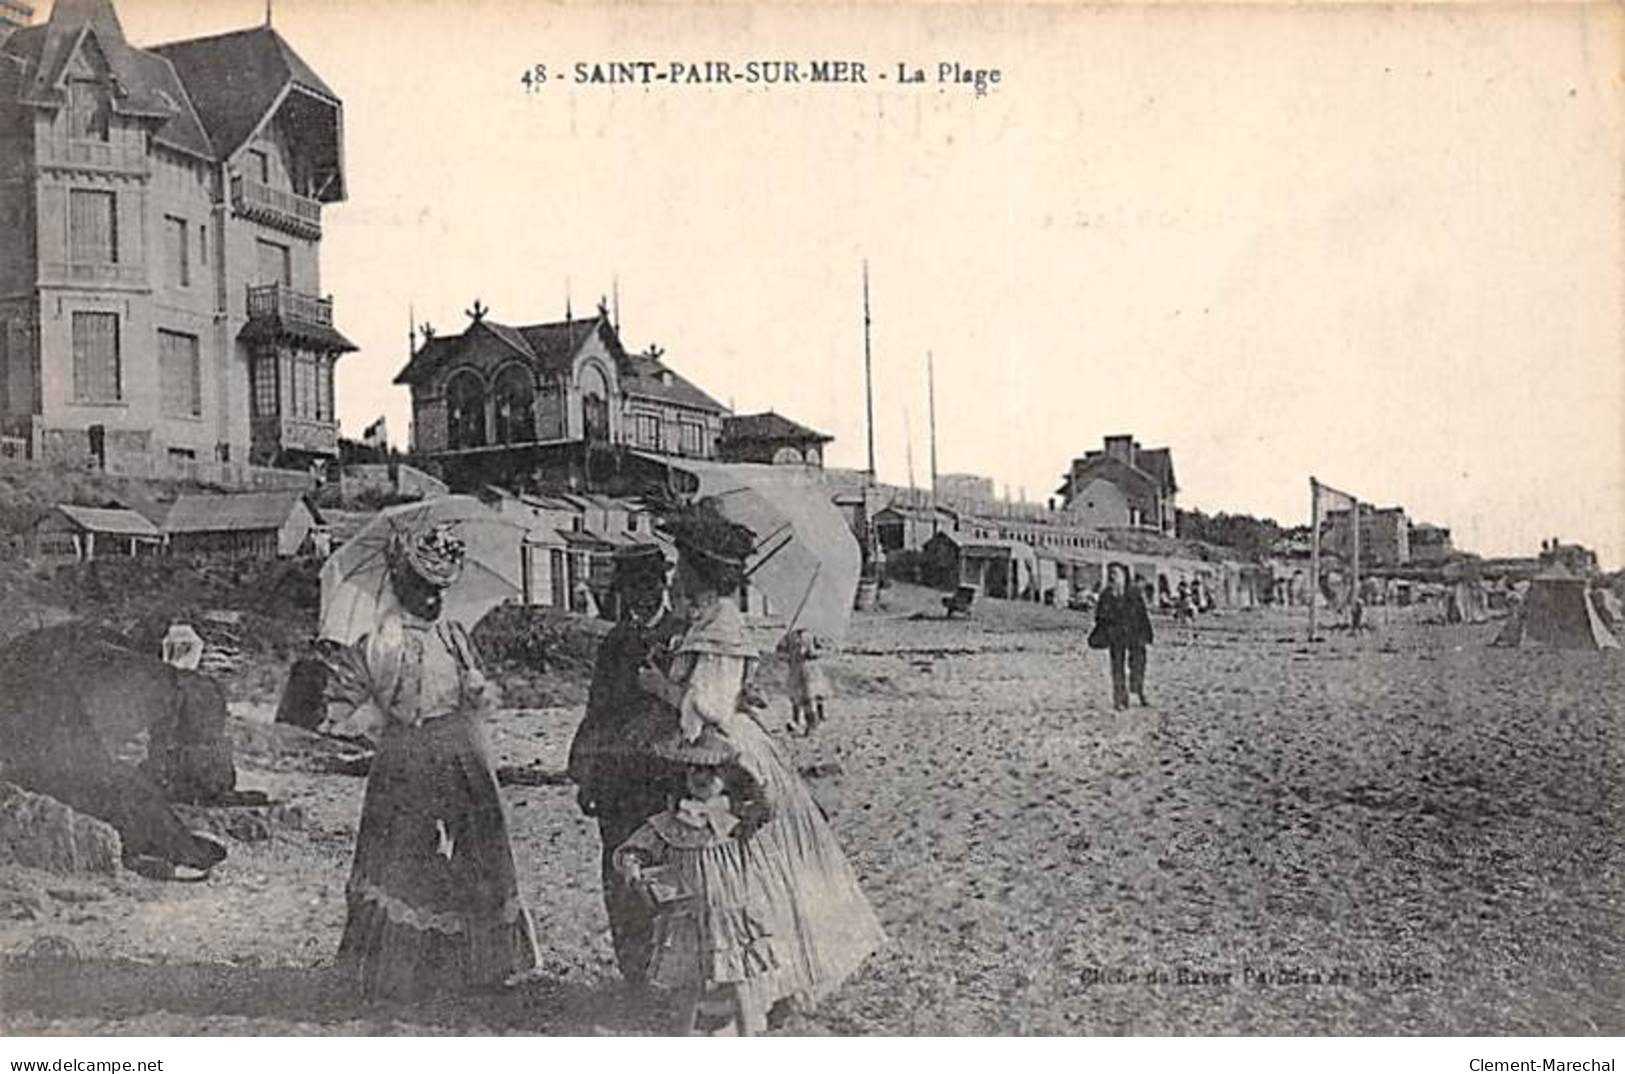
column 1379, row 246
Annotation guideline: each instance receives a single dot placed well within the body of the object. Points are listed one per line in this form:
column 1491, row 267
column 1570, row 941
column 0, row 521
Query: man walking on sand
column 1123, row 626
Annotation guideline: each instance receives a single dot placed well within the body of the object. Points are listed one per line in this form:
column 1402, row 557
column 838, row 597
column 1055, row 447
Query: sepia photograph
column 650, row 519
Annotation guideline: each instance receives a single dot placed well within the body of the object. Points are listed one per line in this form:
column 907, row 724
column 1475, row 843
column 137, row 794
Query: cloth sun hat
column 433, row 555
column 709, row 750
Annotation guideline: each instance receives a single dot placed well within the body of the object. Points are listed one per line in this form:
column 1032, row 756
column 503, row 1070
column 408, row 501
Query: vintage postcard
column 915, row 519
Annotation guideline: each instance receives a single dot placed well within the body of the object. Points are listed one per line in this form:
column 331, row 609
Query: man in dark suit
column 1122, row 622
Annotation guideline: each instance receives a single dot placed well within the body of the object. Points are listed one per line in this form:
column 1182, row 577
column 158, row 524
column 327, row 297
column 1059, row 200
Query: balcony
column 281, row 209
column 281, row 314
column 91, row 274
column 276, row 302
column 275, row 435
column 111, row 157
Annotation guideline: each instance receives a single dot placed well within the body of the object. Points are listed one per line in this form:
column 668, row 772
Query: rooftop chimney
column 1121, row 448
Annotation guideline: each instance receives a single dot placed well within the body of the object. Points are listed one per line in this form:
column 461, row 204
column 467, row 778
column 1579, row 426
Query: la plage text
column 977, row 79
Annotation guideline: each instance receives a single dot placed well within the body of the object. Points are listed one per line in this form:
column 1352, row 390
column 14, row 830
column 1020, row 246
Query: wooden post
column 868, row 380
column 1314, row 552
column 1354, row 597
column 931, row 391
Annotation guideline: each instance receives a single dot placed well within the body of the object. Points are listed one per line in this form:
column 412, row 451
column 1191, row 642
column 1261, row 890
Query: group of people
column 725, row 887
column 1123, row 628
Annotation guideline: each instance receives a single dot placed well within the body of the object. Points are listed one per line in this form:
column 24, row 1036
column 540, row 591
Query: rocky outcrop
column 40, row 832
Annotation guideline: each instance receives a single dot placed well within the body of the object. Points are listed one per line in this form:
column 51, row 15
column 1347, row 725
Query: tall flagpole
column 908, row 448
column 931, row 390
column 868, row 373
column 1314, row 552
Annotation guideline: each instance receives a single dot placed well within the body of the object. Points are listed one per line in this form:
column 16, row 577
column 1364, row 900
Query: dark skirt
column 433, row 896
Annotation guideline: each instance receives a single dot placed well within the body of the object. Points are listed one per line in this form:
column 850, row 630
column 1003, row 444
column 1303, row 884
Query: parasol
column 355, row 579
column 807, row 561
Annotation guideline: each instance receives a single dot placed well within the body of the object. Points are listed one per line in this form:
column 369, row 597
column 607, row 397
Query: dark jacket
column 609, row 757
column 1122, row 618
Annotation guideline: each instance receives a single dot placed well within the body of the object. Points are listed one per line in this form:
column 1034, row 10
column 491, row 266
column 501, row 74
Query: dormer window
column 259, row 166
column 88, row 109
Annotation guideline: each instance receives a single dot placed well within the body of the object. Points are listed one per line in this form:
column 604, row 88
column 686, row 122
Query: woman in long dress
column 433, row 896
column 826, row 922
column 619, row 780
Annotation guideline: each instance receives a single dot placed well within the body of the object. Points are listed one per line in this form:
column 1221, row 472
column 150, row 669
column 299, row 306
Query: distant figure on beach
column 807, row 684
column 1184, row 606
column 1123, row 627
column 433, row 896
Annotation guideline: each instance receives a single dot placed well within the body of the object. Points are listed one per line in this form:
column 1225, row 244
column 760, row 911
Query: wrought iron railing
column 281, row 209
column 275, row 300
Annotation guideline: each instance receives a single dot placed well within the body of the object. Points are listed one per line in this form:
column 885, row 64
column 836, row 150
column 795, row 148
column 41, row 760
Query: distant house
column 906, row 527
column 90, row 532
column 771, row 438
column 261, row 524
column 161, row 217
column 1385, row 536
column 543, row 404
column 1121, row 485
column 1430, row 544
column 1577, row 559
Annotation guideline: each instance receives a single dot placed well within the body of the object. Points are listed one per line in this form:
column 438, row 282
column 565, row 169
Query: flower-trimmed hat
column 433, row 555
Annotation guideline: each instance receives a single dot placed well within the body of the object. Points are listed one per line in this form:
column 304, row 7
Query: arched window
column 595, row 403
column 515, row 406
column 465, row 411
column 787, row 456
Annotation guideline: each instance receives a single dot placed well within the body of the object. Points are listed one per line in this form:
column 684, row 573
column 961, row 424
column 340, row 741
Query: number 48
column 534, row 78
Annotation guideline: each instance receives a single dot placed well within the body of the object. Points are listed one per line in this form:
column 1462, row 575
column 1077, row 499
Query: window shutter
column 92, row 227
column 95, row 357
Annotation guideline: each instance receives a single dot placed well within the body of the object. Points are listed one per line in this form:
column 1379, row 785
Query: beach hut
column 88, row 532
column 996, row 566
column 906, row 527
column 1557, row 611
column 257, row 524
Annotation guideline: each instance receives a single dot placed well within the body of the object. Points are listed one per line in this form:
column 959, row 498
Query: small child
column 713, row 945
column 808, row 686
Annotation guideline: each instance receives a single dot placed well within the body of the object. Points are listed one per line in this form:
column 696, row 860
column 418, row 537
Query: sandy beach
column 1406, row 832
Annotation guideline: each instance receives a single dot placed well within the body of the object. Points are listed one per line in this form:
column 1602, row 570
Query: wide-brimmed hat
column 710, row 750
column 702, row 531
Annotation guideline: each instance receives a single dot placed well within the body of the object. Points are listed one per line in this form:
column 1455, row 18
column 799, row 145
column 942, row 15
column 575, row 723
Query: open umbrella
column 807, row 561
column 355, row 578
